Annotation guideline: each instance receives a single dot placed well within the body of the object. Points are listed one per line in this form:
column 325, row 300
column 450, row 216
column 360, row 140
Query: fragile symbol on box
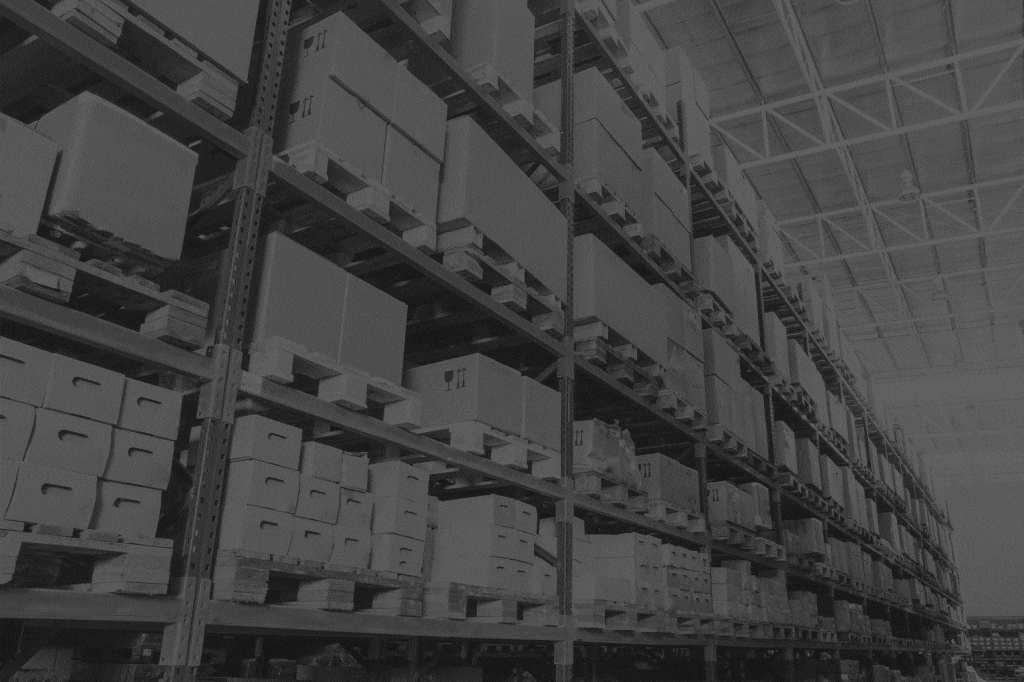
column 458, row 376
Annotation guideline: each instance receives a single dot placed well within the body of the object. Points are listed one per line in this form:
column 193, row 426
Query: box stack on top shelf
column 383, row 398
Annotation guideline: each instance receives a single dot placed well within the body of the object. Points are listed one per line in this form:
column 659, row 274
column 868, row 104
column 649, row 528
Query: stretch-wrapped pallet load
column 364, row 329
column 487, row 541
column 495, row 39
column 345, row 98
column 119, row 178
column 609, row 291
column 686, row 96
column 666, row 480
column 608, row 146
column 728, row 504
column 483, row 188
column 399, row 494
column 805, row 537
column 600, row 448
column 25, row 177
column 82, row 446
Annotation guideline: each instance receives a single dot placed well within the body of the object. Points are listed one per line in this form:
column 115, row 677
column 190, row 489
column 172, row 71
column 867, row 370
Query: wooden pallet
column 665, row 261
column 281, row 361
column 604, row 25
column 605, row 347
column 726, row 440
column 497, row 445
column 602, row 614
column 42, row 555
column 454, row 601
column 433, row 16
column 675, row 516
column 469, row 253
column 56, row 273
column 716, row 311
column 324, row 166
column 548, row 137
column 611, row 204
column 611, row 490
column 254, row 578
column 768, row 549
column 731, row 534
column 681, row 408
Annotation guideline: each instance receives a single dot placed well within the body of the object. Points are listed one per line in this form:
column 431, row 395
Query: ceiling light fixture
column 910, row 191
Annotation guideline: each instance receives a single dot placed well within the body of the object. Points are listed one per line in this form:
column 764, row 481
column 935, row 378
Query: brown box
column 255, row 529
column 64, row 441
column 86, row 390
column 257, row 483
column 400, row 516
column 150, row 409
column 396, row 553
column 398, row 479
column 526, row 518
column 321, row 461
column 355, row 471
column 140, row 459
column 351, row 546
column 25, row 178
column 256, row 437
column 355, row 509
column 103, row 148
column 25, row 371
column 16, row 422
column 311, row 540
column 318, row 500
column 667, row 480
column 126, row 509
column 54, row 496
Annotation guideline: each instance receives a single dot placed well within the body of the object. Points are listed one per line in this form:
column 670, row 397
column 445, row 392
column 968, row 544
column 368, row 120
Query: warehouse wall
column 988, row 522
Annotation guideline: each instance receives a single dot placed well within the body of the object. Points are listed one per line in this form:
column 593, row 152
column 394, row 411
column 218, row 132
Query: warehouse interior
column 511, row 340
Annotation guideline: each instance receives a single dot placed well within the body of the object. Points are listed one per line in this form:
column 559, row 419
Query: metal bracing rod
column 967, row 432
column 949, row 274
column 931, row 318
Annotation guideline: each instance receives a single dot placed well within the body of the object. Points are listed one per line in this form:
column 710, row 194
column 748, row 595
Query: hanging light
column 910, row 192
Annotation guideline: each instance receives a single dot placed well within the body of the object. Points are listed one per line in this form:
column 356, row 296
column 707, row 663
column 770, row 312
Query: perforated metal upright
column 194, row 561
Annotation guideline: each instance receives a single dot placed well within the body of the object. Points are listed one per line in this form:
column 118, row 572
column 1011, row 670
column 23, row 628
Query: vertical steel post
column 710, row 663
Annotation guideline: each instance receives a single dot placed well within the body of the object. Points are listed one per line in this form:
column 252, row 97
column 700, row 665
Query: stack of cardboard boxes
column 803, row 609
column 688, row 579
column 600, row 448
column 687, row 98
column 399, row 530
column 345, row 98
column 804, row 537
column 489, row 541
column 494, row 41
column 720, row 267
column 82, row 446
column 684, row 374
column 666, row 480
column 804, row 373
column 738, row 593
column 665, row 208
column 728, row 504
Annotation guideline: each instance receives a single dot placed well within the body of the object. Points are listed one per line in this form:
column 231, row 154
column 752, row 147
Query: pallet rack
column 255, row 184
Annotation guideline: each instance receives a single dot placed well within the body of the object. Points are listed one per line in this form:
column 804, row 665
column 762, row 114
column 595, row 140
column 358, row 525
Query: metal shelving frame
column 189, row 615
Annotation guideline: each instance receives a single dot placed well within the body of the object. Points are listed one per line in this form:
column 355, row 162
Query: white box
column 355, row 471
column 411, row 174
column 372, row 335
column 421, row 115
column 24, row 372
column 64, row 441
column 25, row 179
column 8, row 477
column 54, row 496
column 478, row 513
column 542, row 422
column 318, row 500
column 255, row 529
column 321, row 461
column 482, row 570
column 599, row 157
column 120, row 175
column 400, row 516
column 526, row 518
column 258, row 483
column 16, row 422
column 351, row 546
column 499, row 34
column 311, row 540
column 544, row 580
column 398, row 479
column 140, row 459
column 355, row 509
column 126, row 509
column 453, row 544
column 397, row 554
column 483, row 187
column 86, row 390
column 256, row 437
column 150, row 409
column 470, row 388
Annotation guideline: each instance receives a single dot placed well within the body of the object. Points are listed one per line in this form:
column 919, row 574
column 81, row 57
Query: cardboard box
column 255, row 529
column 479, row 513
column 808, row 463
column 372, row 335
column 321, row 461
column 257, row 437
column 398, row 479
column 258, row 483
column 351, row 546
column 411, row 174
column 355, row 509
column 594, row 98
column 8, row 477
column 526, row 518
column 721, row 401
column 396, row 553
column 64, row 441
column 140, row 459
column 482, row 570
column 150, row 409
column 126, row 509
column 724, row 503
column 318, row 500
column 470, row 388
column 666, row 212
column 16, row 422
column 597, row 156
column 311, row 540
column 498, row 34
column 453, row 545
column 25, row 371
column 589, row 587
column 355, row 471
column 484, row 188
column 148, row 209
column 544, row 579
column 421, row 116
column 542, row 409
column 25, row 180
column 609, row 290
column 667, row 480
column 400, row 516
column 785, row 446
column 53, row 496
column 76, row 387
